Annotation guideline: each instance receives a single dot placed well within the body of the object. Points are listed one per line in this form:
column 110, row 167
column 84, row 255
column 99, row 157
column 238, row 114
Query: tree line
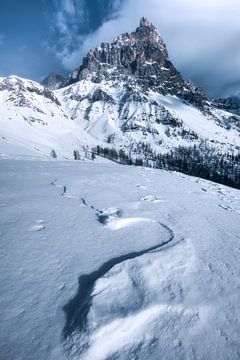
column 198, row 160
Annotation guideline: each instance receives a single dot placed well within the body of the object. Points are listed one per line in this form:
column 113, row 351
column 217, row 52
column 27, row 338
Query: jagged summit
column 127, row 54
column 148, row 33
column 141, row 58
column 145, row 23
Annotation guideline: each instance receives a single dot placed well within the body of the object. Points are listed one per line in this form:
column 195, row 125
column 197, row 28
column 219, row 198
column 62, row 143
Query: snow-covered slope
column 33, row 122
column 102, row 261
column 126, row 115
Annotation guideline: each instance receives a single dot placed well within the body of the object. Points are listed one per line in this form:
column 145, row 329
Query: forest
column 198, row 160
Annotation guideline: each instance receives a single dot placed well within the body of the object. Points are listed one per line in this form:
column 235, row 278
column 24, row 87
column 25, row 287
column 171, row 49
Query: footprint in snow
column 109, row 214
column 112, row 218
column 39, row 225
column 151, row 198
column 141, row 186
column 224, row 207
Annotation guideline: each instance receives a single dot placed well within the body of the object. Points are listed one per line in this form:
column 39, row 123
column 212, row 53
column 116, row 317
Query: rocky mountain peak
column 147, row 34
column 141, row 58
column 128, row 54
column 145, row 23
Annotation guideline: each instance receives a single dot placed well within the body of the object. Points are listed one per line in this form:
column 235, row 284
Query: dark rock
column 99, row 95
column 228, row 104
column 19, row 91
column 140, row 58
column 53, row 81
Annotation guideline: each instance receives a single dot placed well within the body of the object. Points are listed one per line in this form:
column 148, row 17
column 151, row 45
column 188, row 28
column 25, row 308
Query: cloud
column 69, row 7
column 73, row 21
column 202, row 37
column 68, row 22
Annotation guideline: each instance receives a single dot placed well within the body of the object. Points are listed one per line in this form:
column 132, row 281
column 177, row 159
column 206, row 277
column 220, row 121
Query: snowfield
column 102, row 261
column 34, row 120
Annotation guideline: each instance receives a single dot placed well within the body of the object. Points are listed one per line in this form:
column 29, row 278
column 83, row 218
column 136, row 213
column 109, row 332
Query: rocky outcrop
column 19, row 91
column 53, row 81
column 227, row 104
column 141, row 58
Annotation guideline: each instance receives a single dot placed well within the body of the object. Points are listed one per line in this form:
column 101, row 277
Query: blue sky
column 24, row 29
column 32, row 42
column 42, row 36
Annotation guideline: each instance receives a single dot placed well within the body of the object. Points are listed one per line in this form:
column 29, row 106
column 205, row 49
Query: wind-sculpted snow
column 134, row 302
column 78, row 308
column 85, row 274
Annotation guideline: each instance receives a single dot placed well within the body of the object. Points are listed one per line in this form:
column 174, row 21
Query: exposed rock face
column 140, row 57
column 227, row 104
column 20, row 91
column 53, row 81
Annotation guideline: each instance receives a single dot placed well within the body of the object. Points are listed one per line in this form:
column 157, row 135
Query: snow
column 32, row 131
column 32, row 124
column 103, row 261
column 196, row 121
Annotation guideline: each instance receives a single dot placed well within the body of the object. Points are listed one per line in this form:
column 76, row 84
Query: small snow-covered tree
column 53, row 154
column 76, row 155
column 93, row 156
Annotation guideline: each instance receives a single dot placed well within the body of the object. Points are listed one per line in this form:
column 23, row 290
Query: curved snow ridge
column 82, row 312
column 139, row 303
column 131, row 295
column 136, row 303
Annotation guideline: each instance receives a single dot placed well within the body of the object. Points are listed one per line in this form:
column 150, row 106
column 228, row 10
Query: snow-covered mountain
column 33, row 122
column 125, row 94
column 101, row 261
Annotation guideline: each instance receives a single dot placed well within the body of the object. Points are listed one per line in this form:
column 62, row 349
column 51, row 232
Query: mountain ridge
column 141, row 57
column 115, row 104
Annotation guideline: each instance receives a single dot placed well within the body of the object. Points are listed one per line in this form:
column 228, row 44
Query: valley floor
column 101, row 261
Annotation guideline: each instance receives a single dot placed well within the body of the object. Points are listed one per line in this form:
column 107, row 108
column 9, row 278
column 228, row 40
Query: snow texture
column 35, row 120
column 102, row 261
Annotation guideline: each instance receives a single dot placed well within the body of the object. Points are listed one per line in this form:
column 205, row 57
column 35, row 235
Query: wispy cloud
column 73, row 22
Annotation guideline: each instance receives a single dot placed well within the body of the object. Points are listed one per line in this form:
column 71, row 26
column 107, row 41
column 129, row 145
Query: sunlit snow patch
column 117, row 224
